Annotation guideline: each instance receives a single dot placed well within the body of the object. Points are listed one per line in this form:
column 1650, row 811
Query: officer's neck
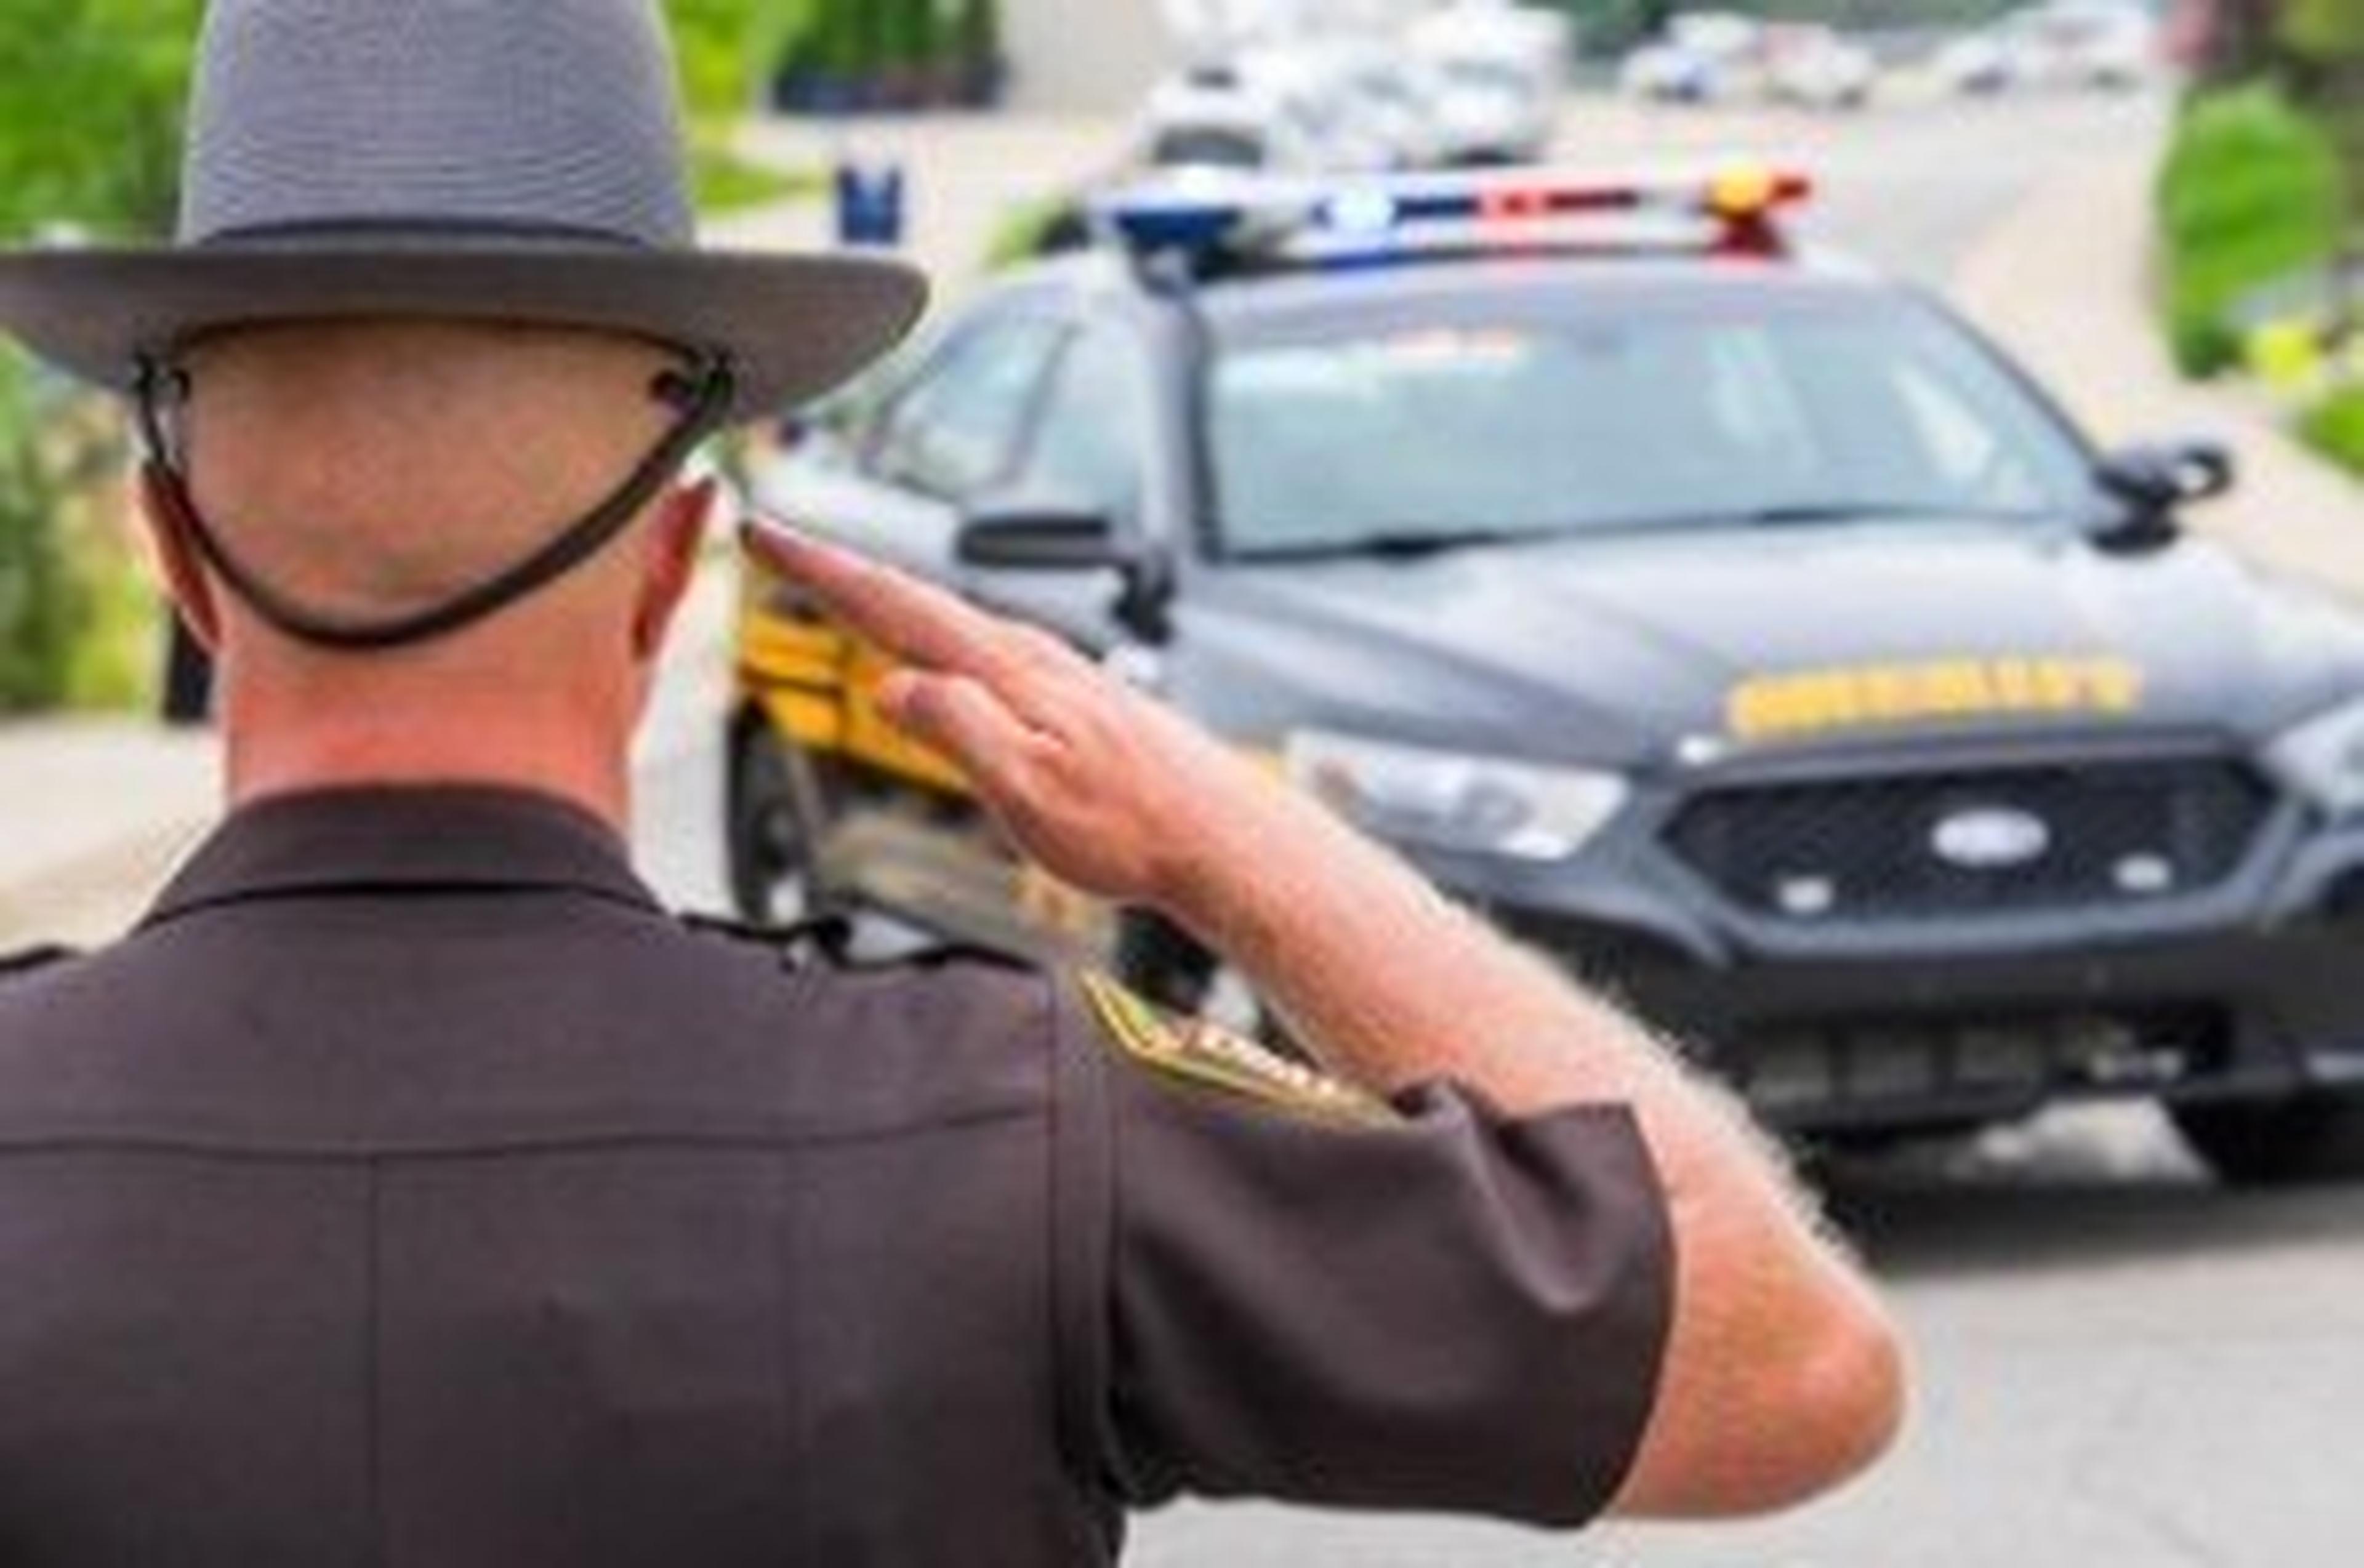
column 362, row 729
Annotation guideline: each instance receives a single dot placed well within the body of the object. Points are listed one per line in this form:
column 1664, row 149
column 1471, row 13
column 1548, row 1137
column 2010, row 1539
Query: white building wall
column 1084, row 56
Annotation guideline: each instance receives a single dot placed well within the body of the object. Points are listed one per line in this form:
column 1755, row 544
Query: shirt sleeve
column 1432, row 1307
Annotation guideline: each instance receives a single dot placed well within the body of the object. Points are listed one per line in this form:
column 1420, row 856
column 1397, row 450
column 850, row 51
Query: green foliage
column 76, row 626
column 848, row 39
column 38, row 607
column 2250, row 192
column 2335, row 428
column 729, row 47
column 2325, row 31
column 725, row 183
column 91, row 96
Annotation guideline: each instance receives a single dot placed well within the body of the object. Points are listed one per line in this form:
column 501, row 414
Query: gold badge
column 1199, row 1052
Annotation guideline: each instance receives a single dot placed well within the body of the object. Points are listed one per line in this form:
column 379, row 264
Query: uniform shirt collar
column 393, row 841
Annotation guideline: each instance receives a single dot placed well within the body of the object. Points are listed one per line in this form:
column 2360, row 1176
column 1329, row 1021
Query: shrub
column 2250, row 192
column 2335, row 428
column 77, row 626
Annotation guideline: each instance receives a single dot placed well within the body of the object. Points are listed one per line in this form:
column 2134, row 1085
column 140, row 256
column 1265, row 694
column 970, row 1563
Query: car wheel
column 776, row 813
column 2315, row 1137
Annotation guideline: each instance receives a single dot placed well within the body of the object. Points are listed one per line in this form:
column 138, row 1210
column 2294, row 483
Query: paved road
column 2118, row 1363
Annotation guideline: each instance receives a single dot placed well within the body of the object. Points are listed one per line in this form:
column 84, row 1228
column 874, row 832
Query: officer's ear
column 675, row 540
column 176, row 556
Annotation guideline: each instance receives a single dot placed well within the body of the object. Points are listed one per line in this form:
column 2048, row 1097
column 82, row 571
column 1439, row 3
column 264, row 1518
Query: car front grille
column 2000, row 841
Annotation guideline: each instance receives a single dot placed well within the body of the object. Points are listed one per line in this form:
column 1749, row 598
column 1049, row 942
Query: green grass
column 724, row 183
column 2336, row 428
column 2249, row 193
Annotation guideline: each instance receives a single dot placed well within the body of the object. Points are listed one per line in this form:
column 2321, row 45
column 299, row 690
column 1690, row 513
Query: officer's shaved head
column 369, row 469
column 373, row 470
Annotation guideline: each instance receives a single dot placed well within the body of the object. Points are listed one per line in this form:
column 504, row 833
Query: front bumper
column 2246, row 989
column 1829, row 1044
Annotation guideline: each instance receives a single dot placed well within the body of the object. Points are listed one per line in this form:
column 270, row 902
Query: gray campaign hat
column 500, row 160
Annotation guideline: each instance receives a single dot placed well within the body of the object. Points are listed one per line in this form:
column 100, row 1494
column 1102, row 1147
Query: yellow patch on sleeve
column 1197, row 1053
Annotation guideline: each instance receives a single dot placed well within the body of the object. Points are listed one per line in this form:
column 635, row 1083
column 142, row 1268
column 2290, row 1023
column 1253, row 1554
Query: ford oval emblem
column 1990, row 838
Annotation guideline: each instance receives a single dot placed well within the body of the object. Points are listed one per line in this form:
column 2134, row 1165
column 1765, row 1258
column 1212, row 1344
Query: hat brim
column 795, row 326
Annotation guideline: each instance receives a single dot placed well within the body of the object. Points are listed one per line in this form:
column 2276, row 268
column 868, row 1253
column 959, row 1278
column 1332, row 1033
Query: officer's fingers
column 911, row 619
column 963, row 719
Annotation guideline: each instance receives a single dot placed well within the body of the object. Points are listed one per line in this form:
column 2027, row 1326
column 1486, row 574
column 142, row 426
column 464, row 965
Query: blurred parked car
column 1227, row 117
column 1706, row 57
column 1498, row 77
column 1815, row 68
column 1974, row 65
column 2067, row 44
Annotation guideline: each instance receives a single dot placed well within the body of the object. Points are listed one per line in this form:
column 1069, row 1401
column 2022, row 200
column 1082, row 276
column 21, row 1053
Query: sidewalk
column 96, row 813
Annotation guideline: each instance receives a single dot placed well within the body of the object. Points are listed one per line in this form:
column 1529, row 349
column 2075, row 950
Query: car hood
column 1626, row 649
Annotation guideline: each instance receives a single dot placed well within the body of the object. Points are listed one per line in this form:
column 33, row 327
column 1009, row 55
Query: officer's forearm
column 1783, row 1376
column 1394, row 985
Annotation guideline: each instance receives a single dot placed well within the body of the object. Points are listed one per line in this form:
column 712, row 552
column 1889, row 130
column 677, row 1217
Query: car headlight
column 1444, row 800
column 2323, row 758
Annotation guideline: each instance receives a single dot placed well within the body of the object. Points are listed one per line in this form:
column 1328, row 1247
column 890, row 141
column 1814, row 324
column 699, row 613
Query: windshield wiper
column 1393, row 544
column 1805, row 514
column 1415, row 544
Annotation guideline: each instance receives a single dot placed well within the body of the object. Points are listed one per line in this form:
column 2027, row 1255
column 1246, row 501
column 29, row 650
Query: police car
column 1724, row 620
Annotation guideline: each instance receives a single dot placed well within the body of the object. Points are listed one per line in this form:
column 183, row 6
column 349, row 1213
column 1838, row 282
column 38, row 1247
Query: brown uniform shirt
column 409, row 1189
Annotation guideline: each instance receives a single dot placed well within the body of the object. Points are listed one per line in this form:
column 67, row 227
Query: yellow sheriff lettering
column 1819, row 702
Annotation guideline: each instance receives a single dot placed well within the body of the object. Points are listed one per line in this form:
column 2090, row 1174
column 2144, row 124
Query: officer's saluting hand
column 1780, row 1373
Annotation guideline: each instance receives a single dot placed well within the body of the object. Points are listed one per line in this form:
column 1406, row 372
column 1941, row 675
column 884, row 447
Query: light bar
column 1208, row 216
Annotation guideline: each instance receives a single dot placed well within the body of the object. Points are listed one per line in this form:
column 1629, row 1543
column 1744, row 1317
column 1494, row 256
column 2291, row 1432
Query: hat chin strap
column 703, row 393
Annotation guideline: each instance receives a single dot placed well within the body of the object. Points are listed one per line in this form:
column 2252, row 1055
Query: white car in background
column 2088, row 45
column 1816, row 68
column 1662, row 74
column 1283, row 109
column 1498, row 77
column 1210, row 116
column 1396, row 100
column 1975, row 65
column 2104, row 44
column 1706, row 57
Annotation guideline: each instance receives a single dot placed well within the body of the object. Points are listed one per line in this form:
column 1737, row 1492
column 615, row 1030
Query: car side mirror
column 2150, row 482
column 1029, row 538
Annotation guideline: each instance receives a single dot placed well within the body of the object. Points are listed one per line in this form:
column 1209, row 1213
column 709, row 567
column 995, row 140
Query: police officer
column 409, row 1189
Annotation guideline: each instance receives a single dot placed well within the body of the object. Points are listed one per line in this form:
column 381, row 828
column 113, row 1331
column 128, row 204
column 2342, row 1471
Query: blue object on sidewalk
column 870, row 205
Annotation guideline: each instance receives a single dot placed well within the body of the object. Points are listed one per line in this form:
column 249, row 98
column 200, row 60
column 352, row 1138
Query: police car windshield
column 1338, row 438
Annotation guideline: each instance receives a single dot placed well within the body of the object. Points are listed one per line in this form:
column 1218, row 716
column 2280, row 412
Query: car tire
column 776, row 813
column 2315, row 1137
